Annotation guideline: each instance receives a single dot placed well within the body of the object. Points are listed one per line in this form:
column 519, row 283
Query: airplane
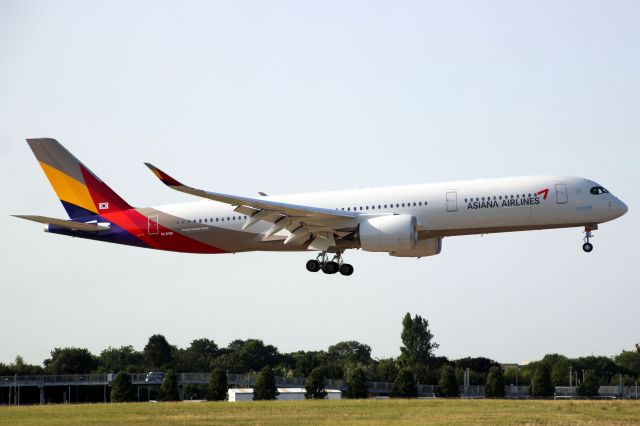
column 403, row 221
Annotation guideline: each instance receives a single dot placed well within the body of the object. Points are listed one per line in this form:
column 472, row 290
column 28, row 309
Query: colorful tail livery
column 81, row 192
column 404, row 221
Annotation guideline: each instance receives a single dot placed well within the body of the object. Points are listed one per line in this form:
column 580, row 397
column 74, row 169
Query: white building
column 284, row 394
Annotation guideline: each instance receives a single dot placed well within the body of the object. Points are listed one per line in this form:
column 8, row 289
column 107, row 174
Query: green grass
column 351, row 412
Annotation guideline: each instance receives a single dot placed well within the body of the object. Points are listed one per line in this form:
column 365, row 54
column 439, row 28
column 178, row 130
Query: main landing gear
column 327, row 266
column 587, row 246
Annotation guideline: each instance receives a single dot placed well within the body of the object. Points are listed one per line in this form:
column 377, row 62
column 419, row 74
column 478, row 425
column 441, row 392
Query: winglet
column 165, row 178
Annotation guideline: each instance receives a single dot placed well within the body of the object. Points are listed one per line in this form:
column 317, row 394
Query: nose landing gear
column 330, row 267
column 587, row 246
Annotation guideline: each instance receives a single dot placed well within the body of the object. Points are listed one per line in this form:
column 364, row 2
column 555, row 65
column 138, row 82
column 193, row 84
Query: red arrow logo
column 544, row 193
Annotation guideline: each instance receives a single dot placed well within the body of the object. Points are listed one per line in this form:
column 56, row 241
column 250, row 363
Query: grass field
column 350, row 412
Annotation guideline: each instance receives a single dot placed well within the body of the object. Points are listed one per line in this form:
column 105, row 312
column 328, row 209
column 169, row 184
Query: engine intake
column 397, row 233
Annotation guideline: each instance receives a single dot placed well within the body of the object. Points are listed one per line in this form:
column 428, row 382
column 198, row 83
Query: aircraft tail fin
column 81, row 192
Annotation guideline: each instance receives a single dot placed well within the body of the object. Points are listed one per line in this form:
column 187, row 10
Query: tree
column 590, row 386
column 448, row 384
column 122, row 390
column 218, row 387
column 314, row 385
column 243, row 356
column 200, row 354
column 494, row 388
column 417, row 345
column 512, row 376
column 404, row 386
column 350, row 352
column 70, row 361
column 541, row 386
column 305, row 362
column 157, row 352
column 384, row 370
column 630, row 361
column 265, row 388
column 358, row 385
column 169, row 387
column 478, row 364
column 125, row 358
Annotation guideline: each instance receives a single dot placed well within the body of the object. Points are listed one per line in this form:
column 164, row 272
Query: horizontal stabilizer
column 68, row 224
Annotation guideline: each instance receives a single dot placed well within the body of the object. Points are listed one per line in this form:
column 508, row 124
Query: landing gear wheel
column 330, row 267
column 346, row 269
column 587, row 247
column 313, row 265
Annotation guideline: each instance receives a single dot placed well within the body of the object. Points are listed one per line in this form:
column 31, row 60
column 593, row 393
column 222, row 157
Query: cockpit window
column 597, row 190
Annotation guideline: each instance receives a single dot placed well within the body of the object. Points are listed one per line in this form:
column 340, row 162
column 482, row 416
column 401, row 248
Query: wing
column 303, row 222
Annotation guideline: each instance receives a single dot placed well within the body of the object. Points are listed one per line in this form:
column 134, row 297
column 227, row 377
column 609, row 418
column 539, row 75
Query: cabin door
column 561, row 193
column 152, row 224
column 452, row 201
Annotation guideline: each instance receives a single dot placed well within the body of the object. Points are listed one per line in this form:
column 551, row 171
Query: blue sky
column 287, row 97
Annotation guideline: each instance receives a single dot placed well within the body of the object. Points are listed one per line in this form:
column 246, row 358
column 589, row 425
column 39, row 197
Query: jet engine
column 397, row 233
column 423, row 248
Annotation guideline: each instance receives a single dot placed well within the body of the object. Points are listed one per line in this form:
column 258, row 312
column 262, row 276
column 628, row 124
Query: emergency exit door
column 452, row 201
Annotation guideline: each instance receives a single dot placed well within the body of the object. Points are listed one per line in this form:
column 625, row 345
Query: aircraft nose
column 623, row 207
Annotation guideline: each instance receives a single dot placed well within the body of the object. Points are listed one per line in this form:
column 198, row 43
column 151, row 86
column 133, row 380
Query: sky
column 286, row 97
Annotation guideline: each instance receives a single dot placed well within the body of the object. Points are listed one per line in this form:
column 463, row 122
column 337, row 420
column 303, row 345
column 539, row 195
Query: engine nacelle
column 423, row 248
column 388, row 233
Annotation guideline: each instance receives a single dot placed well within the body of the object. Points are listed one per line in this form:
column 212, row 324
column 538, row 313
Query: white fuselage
column 441, row 209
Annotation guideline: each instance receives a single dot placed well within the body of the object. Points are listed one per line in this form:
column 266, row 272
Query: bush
column 405, row 385
column 169, row 387
column 541, row 386
column 315, row 385
column 265, row 388
column 218, row 387
column 494, row 388
column 589, row 386
column 358, row 385
column 448, row 384
column 122, row 390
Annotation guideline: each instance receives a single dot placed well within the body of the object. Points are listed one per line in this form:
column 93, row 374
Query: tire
column 346, row 269
column 330, row 268
column 313, row 265
column 587, row 247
